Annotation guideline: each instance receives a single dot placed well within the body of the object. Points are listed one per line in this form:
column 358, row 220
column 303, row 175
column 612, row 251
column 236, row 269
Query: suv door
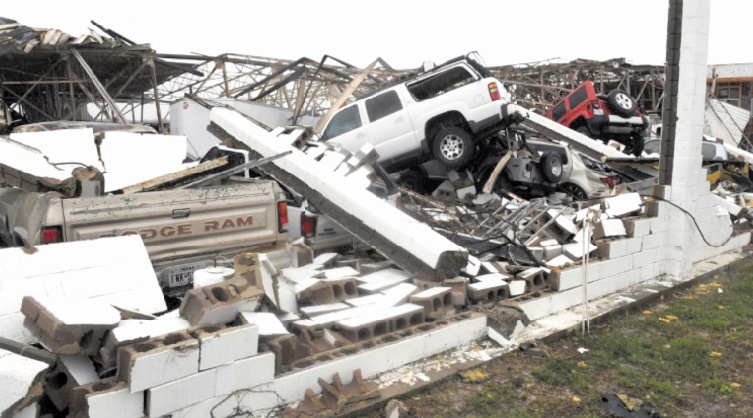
column 390, row 129
column 346, row 128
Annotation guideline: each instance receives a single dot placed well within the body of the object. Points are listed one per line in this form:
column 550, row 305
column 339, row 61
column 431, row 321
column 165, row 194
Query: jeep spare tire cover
column 552, row 167
column 452, row 147
column 620, row 102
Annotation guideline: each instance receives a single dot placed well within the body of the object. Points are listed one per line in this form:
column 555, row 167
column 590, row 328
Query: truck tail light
column 51, row 235
column 494, row 91
column 610, row 181
column 308, row 225
column 282, row 216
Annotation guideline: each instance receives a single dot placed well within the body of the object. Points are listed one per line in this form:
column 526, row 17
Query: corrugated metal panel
column 725, row 121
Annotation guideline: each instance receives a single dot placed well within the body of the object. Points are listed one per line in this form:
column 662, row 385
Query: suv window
column 383, row 105
column 345, row 121
column 578, row 97
column 440, row 83
column 559, row 111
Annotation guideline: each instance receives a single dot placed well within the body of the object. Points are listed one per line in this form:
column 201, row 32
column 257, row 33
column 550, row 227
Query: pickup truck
column 183, row 229
column 441, row 113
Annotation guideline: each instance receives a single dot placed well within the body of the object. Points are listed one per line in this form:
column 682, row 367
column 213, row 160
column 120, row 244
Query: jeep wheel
column 552, row 167
column 574, row 191
column 453, row 147
column 634, row 145
column 620, row 102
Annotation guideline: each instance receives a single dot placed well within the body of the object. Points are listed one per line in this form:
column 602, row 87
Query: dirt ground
column 687, row 355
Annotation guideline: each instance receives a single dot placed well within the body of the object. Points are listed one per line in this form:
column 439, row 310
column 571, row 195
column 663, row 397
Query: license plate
column 181, row 276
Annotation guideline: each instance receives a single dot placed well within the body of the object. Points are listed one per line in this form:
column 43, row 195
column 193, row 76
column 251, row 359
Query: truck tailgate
column 180, row 222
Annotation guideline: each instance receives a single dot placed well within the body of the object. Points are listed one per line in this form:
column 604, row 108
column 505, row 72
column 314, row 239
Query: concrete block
column 633, row 245
column 609, row 228
column 655, row 240
column 657, row 209
column 612, row 248
column 535, row 278
column 220, row 345
column 245, row 374
column 69, row 372
column 576, row 251
column 637, row 227
column 622, row 205
column 128, row 332
column 366, row 300
column 156, row 361
column 466, row 193
column 489, row 291
column 459, row 290
column 302, row 255
column 616, row 266
column 364, row 328
column 107, row 398
column 340, row 273
column 659, row 225
column 315, row 310
column 382, row 280
column 565, row 279
column 178, row 394
column 436, row 301
column 69, row 325
column 220, row 303
column 551, row 252
column 299, row 274
column 398, row 294
column 662, row 191
column 473, row 267
column 517, row 287
column 268, row 323
column 560, row 262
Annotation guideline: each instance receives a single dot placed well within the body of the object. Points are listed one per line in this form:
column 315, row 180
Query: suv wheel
column 620, row 102
column 634, row 145
column 552, row 167
column 452, row 147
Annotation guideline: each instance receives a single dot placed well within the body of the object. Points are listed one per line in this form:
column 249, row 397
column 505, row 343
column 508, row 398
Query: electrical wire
column 695, row 222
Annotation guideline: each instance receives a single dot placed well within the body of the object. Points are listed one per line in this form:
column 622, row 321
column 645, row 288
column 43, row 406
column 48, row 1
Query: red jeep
column 613, row 116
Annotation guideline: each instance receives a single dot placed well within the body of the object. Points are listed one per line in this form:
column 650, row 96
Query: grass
column 689, row 355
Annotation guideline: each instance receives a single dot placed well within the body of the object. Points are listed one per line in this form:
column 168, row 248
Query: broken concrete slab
column 577, row 250
column 69, row 325
column 409, row 243
column 340, row 272
column 22, row 380
column 381, row 280
column 83, row 269
column 315, row 310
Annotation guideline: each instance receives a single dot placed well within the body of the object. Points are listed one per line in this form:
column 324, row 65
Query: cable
column 695, row 222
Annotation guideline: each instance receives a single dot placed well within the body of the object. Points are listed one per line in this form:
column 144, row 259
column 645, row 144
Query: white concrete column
column 682, row 145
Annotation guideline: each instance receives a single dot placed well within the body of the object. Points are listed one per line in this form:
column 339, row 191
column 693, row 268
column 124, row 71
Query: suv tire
column 620, row 102
column 452, row 147
column 552, row 167
column 634, row 145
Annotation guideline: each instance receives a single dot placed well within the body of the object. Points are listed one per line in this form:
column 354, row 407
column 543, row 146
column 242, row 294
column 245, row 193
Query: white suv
column 440, row 113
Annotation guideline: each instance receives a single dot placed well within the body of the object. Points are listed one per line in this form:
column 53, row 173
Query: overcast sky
column 404, row 33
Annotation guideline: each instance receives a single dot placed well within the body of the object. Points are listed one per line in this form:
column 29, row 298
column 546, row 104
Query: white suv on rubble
column 440, row 113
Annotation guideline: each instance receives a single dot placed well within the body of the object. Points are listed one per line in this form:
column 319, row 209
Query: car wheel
column 634, row 145
column 453, row 147
column 574, row 191
column 552, row 167
column 620, row 102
